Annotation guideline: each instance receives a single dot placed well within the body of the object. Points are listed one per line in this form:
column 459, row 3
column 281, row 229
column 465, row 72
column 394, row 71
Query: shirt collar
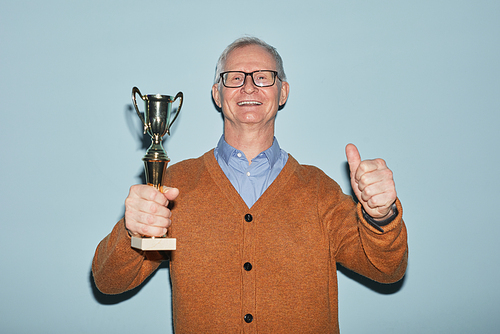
column 226, row 151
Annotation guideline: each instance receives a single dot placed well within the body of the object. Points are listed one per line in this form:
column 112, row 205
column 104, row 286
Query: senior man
column 258, row 234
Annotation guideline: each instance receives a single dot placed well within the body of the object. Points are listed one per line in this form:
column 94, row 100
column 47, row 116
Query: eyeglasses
column 235, row 79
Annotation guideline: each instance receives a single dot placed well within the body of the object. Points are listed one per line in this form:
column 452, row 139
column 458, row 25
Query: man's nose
column 248, row 86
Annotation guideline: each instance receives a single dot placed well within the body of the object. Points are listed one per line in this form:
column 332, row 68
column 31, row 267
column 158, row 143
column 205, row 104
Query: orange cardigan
column 267, row 269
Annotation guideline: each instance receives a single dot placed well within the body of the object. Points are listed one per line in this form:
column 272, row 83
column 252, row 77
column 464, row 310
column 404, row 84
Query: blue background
column 414, row 82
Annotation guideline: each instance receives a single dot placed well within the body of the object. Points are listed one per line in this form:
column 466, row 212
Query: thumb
column 353, row 158
column 170, row 193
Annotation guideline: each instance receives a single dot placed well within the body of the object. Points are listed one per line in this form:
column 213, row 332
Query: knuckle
column 368, row 192
column 363, row 166
column 150, row 219
column 388, row 173
column 375, row 202
column 134, row 190
column 380, row 162
column 128, row 201
column 153, row 208
column 154, row 194
column 144, row 229
column 363, row 179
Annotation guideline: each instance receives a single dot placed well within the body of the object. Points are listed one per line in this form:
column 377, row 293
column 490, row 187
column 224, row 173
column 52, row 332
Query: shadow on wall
column 105, row 299
column 136, row 127
column 382, row 288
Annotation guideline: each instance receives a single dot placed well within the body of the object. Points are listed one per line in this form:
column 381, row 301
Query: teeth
column 249, row 103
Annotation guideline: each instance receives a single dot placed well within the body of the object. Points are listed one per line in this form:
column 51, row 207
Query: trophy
column 157, row 123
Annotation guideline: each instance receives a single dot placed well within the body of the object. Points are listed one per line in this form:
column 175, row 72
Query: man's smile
column 246, row 103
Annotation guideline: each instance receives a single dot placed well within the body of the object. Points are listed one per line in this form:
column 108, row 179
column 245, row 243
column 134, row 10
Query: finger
column 146, row 224
column 366, row 166
column 144, row 210
column 145, row 218
column 148, row 193
column 353, row 158
column 145, row 206
column 368, row 174
column 379, row 206
column 150, row 230
column 378, row 195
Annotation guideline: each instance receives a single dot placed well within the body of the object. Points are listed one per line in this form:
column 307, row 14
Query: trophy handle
column 136, row 90
column 181, row 96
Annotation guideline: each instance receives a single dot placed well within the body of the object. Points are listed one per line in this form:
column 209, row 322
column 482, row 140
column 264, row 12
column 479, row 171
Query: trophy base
column 158, row 244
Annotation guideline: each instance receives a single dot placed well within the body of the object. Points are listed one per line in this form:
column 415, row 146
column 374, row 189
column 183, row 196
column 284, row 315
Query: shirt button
column 248, row 173
column 248, row 318
column 248, row 217
column 247, row 266
column 239, row 155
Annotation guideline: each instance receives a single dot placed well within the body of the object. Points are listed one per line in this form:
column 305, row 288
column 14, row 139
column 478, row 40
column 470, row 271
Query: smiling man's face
column 250, row 105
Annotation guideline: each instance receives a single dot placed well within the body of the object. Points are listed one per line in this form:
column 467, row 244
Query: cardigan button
column 247, row 266
column 248, row 217
column 248, row 318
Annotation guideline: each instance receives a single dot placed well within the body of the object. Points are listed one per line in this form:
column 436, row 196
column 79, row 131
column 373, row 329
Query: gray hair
column 246, row 41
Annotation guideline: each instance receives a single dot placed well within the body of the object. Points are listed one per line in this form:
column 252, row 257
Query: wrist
column 393, row 212
column 389, row 217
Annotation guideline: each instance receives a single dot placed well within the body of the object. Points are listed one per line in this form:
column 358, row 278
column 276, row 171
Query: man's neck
column 251, row 143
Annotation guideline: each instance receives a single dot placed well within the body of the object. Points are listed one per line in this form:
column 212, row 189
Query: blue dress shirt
column 250, row 181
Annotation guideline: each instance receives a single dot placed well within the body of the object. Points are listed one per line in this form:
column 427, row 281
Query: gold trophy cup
column 157, row 122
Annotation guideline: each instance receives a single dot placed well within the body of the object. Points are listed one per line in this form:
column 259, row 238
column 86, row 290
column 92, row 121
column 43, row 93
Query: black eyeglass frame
column 221, row 78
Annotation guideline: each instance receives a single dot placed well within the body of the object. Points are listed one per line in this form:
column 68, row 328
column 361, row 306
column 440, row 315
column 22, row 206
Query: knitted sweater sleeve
column 117, row 267
column 357, row 245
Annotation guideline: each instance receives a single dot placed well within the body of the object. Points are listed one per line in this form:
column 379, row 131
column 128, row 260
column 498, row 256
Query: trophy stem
column 154, row 170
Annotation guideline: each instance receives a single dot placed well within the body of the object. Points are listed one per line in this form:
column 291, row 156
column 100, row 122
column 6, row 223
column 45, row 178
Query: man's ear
column 216, row 95
column 285, row 90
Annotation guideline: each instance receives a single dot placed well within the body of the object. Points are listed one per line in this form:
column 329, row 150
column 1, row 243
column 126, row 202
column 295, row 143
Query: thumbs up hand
column 372, row 183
